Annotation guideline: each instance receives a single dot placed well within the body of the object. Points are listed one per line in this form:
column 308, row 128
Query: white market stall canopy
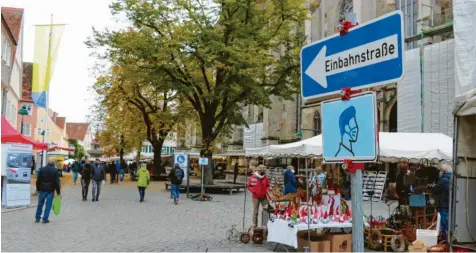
column 393, row 147
column 311, row 147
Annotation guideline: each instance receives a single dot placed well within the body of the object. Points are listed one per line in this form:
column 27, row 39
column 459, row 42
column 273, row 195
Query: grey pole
column 202, row 192
column 453, row 184
column 188, row 177
column 357, row 212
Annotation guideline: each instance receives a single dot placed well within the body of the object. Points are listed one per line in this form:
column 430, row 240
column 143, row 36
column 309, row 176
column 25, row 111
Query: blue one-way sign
column 370, row 54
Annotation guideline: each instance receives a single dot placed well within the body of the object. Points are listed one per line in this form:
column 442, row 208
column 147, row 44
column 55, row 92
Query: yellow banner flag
column 47, row 41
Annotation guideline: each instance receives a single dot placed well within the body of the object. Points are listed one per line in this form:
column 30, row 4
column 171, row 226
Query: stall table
column 281, row 233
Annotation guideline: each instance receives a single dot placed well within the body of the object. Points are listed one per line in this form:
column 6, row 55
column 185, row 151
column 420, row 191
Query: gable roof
column 60, row 122
column 77, row 131
column 26, row 83
column 13, row 17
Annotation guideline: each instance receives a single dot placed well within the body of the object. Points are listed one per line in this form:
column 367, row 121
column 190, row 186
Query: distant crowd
column 48, row 181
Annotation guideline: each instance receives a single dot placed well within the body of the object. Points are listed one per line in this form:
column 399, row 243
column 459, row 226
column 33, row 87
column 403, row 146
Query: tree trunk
column 138, row 157
column 121, row 158
column 157, row 149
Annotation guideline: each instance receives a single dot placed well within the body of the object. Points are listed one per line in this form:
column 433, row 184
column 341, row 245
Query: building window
column 13, row 115
column 27, row 129
column 6, row 51
column 317, row 123
column 4, row 102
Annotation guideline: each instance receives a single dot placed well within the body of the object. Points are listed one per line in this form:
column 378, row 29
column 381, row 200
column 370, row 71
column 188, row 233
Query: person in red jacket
column 259, row 187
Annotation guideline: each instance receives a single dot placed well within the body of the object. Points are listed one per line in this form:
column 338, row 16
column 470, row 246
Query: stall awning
column 393, row 147
column 11, row 135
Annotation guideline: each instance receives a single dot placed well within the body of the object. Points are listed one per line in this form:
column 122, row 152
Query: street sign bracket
column 345, row 26
column 346, row 93
column 352, row 167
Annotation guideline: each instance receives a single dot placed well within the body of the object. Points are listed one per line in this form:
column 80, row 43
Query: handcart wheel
column 375, row 240
column 245, row 238
column 398, row 243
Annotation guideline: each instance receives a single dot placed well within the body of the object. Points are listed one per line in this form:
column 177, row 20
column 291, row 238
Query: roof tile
column 13, row 17
column 77, row 131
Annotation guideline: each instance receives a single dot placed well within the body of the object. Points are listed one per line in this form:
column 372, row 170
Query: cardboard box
column 340, row 242
column 317, row 242
column 322, row 246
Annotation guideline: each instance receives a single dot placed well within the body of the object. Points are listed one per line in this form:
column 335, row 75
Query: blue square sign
column 370, row 54
column 349, row 129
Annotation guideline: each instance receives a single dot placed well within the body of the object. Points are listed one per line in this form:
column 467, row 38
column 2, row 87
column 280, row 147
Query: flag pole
column 47, row 80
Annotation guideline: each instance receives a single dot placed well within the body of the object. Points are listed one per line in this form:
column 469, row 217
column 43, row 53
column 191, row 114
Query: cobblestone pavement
column 119, row 222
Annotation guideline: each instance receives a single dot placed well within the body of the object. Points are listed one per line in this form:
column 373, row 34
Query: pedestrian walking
column 442, row 189
column 259, row 187
column 75, row 171
column 118, row 170
column 235, row 172
column 143, row 180
column 97, row 176
column 85, row 172
column 176, row 176
column 47, row 183
column 112, row 171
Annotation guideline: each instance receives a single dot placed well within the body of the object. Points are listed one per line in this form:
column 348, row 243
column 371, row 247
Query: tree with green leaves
column 140, row 106
column 218, row 54
column 79, row 152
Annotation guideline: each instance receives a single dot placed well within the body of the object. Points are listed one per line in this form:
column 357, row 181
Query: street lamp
column 23, row 111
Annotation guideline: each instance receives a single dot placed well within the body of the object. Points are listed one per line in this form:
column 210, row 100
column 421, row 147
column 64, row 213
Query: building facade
column 83, row 133
column 12, row 65
column 29, row 121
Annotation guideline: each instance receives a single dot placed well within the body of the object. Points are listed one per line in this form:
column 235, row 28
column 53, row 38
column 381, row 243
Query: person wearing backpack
column 176, row 176
column 143, row 180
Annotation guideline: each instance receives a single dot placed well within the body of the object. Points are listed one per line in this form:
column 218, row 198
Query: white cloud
column 70, row 94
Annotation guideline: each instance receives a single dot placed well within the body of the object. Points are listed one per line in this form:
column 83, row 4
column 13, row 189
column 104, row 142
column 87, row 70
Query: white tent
column 311, row 147
column 415, row 146
column 393, row 147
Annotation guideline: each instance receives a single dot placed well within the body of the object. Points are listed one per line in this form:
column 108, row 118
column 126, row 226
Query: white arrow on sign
column 368, row 54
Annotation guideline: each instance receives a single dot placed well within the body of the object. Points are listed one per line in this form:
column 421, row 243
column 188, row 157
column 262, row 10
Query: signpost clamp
column 346, row 93
column 345, row 26
column 352, row 167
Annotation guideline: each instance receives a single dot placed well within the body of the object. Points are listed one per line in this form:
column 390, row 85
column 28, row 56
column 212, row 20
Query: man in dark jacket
column 235, row 172
column 47, row 183
column 97, row 175
column 443, row 189
column 176, row 176
column 85, row 172
column 112, row 171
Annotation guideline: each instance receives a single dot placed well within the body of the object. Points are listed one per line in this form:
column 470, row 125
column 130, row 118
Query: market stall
column 283, row 227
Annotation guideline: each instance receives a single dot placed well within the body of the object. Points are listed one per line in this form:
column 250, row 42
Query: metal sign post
column 202, row 191
column 188, row 179
column 202, row 161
